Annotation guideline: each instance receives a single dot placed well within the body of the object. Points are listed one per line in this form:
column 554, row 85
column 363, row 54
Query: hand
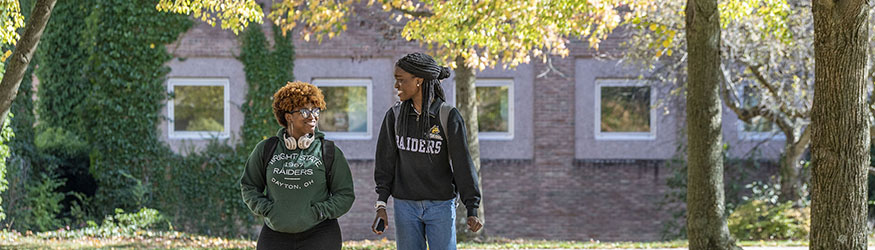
column 474, row 224
column 381, row 213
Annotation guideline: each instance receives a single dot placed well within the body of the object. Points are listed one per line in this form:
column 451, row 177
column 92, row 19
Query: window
column 495, row 109
column 624, row 110
column 348, row 108
column 199, row 109
column 759, row 128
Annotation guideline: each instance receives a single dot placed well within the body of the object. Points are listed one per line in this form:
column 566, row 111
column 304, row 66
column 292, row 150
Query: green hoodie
column 297, row 196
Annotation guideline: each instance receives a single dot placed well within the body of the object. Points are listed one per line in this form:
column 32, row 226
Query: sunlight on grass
column 138, row 240
column 177, row 240
column 547, row 244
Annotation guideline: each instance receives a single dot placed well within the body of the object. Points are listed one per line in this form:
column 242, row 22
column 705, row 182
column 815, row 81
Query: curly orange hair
column 295, row 94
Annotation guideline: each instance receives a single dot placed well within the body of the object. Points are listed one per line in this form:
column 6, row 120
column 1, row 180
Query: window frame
column 368, row 83
column 199, row 135
column 775, row 134
column 599, row 135
column 498, row 82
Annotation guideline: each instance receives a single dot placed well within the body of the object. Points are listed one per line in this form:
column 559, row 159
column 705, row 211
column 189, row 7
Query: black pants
column 323, row 236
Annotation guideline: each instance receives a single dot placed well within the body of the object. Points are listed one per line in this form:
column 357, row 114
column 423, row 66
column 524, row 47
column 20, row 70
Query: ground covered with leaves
column 148, row 239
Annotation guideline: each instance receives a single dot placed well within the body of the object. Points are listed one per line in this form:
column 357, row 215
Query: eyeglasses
column 307, row 112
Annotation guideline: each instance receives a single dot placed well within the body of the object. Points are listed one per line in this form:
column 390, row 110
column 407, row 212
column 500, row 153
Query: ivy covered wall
column 102, row 75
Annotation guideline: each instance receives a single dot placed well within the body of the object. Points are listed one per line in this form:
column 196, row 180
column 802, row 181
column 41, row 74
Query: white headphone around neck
column 303, row 142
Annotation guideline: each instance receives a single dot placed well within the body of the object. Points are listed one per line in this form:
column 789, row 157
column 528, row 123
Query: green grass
column 178, row 240
column 136, row 240
column 547, row 244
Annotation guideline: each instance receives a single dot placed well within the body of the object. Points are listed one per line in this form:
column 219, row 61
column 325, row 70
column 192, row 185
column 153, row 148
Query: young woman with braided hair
column 422, row 163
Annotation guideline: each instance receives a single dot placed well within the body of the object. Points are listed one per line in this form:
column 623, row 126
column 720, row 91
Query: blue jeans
column 419, row 221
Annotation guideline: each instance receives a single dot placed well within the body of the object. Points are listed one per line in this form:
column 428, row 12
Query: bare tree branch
column 801, row 144
column 871, row 126
column 730, row 97
column 414, row 12
column 775, row 93
column 747, row 114
column 731, row 100
column 551, row 68
column 804, row 114
column 785, row 125
column 762, row 79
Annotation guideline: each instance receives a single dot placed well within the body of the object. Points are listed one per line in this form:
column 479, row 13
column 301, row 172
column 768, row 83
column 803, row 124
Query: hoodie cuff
column 472, row 211
column 384, row 197
column 265, row 209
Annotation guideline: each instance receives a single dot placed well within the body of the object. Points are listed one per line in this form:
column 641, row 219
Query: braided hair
column 425, row 67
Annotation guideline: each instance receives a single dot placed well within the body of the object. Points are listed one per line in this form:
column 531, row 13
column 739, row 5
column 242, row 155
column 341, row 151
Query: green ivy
column 17, row 150
column 5, row 136
column 17, row 137
column 14, row 145
column 202, row 193
column 63, row 84
column 125, row 72
column 103, row 82
column 266, row 72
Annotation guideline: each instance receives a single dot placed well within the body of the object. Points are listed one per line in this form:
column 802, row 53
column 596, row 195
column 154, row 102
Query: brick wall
column 586, row 199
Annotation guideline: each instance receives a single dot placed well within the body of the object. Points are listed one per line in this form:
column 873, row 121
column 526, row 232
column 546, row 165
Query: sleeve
column 386, row 157
column 464, row 171
column 343, row 193
column 252, row 183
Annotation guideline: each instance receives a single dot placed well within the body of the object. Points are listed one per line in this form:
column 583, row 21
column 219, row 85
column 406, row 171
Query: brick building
column 554, row 168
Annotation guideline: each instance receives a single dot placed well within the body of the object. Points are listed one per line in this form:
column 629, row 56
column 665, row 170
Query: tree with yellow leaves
column 467, row 35
column 24, row 45
column 18, row 49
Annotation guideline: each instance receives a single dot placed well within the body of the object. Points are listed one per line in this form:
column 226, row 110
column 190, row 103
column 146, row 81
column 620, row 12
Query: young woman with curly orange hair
column 302, row 186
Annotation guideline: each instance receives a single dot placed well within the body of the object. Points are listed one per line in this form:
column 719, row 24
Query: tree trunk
column 22, row 54
column 791, row 170
column 706, row 225
column 840, row 125
column 466, row 102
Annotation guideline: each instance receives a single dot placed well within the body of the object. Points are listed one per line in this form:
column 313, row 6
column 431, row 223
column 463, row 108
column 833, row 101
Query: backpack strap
column 396, row 109
column 444, row 116
column 267, row 153
column 328, row 160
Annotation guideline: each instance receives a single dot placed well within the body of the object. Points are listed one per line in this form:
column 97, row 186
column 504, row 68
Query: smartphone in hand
column 381, row 224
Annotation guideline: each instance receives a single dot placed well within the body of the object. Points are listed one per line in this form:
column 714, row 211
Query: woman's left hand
column 474, row 223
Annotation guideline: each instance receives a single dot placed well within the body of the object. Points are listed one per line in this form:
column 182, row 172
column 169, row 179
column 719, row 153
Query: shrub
column 763, row 218
column 206, row 192
column 120, row 224
column 59, row 142
column 42, row 204
column 146, row 218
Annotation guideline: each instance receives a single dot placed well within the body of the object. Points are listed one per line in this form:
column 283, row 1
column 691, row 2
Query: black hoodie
column 416, row 165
